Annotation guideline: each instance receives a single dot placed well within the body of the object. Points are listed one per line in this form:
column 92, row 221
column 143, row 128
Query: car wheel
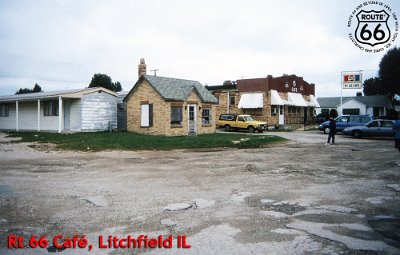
column 227, row 128
column 327, row 130
column 357, row 134
column 251, row 129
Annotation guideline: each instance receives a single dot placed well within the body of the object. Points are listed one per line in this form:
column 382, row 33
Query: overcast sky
column 61, row 44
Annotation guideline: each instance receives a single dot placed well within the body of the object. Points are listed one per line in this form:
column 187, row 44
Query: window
column 232, row 100
column 354, row 111
column 325, row 111
column 292, row 109
column 50, row 108
column 387, row 124
column 373, row 124
column 356, row 119
column 176, row 115
column 4, row 110
column 274, row 110
column 121, row 106
column 206, row 116
column 146, row 116
column 257, row 111
column 365, row 119
column 226, row 117
column 378, row 111
column 342, row 119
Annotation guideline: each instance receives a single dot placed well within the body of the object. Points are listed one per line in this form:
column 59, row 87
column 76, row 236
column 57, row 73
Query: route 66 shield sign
column 372, row 28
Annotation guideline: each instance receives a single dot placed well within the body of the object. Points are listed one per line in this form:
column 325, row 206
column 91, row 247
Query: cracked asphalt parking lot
column 299, row 197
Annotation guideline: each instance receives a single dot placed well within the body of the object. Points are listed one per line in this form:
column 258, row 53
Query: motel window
column 291, row 109
column 206, row 116
column 176, row 115
column 4, row 110
column 232, row 101
column 50, row 108
column 146, row 115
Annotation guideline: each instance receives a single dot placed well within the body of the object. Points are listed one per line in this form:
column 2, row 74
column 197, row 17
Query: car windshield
column 248, row 118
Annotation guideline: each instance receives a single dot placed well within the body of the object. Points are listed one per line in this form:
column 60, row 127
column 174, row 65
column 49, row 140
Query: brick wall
column 144, row 93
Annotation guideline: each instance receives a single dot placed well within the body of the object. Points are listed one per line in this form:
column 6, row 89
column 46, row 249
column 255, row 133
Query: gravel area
column 300, row 197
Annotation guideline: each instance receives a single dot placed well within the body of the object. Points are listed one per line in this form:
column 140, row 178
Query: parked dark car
column 345, row 121
column 375, row 128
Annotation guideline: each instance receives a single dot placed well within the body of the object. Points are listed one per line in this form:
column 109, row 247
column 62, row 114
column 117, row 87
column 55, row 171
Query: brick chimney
column 142, row 68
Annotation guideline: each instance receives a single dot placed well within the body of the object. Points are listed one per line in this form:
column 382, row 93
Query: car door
column 386, row 128
column 372, row 128
column 341, row 122
column 355, row 120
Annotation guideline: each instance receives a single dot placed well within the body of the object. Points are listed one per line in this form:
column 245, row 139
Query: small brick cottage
column 281, row 101
column 169, row 106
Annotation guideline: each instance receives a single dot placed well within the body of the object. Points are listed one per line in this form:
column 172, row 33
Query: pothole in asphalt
column 388, row 227
column 359, row 234
column 286, row 207
column 330, row 218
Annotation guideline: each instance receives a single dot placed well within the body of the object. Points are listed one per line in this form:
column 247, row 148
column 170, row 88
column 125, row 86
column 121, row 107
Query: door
column 192, row 118
column 281, row 115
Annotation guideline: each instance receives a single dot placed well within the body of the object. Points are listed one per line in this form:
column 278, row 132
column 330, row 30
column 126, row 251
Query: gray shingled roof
column 371, row 101
column 179, row 89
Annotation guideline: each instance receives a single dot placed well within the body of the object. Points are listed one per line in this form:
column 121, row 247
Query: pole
column 341, row 93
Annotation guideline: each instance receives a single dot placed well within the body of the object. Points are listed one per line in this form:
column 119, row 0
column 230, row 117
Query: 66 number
column 366, row 34
column 42, row 242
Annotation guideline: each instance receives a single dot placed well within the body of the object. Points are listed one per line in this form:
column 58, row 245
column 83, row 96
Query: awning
column 251, row 101
column 313, row 102
column 275, row 98
column 296, row 99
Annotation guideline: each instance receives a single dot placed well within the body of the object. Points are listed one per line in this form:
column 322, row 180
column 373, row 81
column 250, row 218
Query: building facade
column 371, row 105
column 90, row 109
column 169, row 106
column 281, row 101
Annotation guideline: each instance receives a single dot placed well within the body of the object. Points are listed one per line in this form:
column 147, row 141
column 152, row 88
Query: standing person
column 396, row 129
column 332, row 131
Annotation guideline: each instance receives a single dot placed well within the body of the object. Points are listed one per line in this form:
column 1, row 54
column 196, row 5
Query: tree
column 389, row 72
column 333, row 113
column 372, row 87
column 117, row 86
column 105, row 81
column 35, row 89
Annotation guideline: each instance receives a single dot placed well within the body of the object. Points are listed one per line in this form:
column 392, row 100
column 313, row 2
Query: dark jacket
column 396, row 129
column 332, row 126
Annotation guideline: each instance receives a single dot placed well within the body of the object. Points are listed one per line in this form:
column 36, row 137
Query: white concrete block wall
column 8, row 123
column 97, row 110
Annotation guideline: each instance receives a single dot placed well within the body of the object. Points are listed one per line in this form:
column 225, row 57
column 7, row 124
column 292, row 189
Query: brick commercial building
column 281, row 101
column 169, row 106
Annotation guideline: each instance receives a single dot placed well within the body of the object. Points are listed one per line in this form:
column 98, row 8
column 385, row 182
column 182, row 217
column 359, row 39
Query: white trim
column 194, row 117
column 16, row 116
column 60, row 114
column 38, row 115
column 144, row 115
